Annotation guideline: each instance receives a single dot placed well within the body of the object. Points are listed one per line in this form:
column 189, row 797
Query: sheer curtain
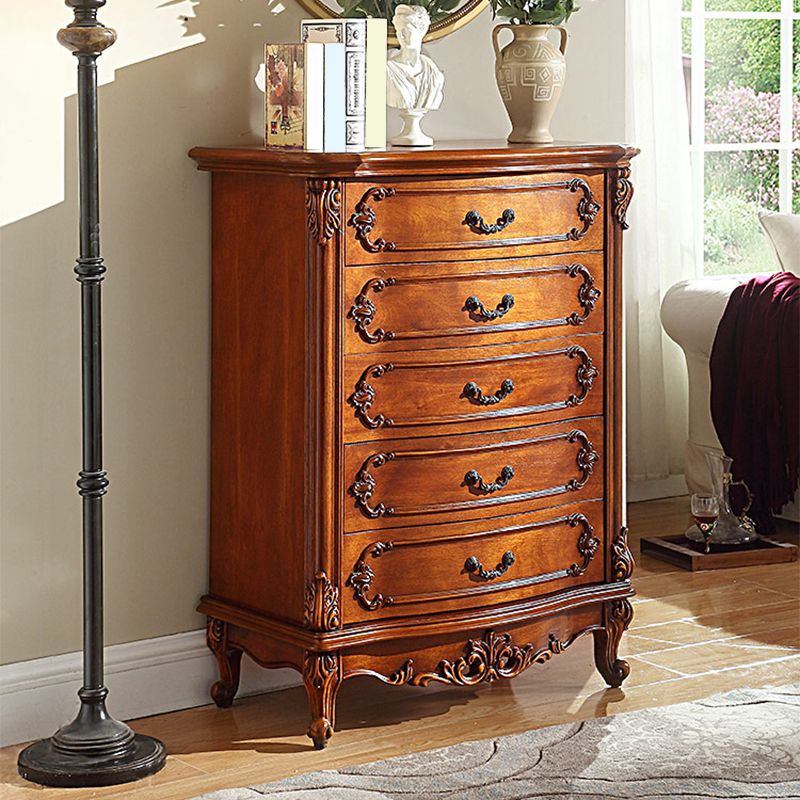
column 659, row 244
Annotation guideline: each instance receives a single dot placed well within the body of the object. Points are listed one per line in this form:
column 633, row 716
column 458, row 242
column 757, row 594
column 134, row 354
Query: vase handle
column 495, row 31
column 564, row 38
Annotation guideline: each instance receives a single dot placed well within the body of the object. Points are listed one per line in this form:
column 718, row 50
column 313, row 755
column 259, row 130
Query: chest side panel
column 258, row 360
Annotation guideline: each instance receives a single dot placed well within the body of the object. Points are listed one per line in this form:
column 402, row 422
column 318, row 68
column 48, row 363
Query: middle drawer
column 472, row 389
column 447, row 478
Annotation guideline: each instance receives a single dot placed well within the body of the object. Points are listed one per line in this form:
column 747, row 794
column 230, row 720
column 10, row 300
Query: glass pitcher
column 730, row 529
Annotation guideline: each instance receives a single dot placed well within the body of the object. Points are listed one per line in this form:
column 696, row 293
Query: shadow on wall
column 179, row 75
column 155, row 239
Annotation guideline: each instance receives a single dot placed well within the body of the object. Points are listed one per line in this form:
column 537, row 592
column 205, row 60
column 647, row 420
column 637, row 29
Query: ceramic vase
column 530, row 73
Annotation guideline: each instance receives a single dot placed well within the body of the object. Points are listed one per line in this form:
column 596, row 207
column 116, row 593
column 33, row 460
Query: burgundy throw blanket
column 755, row 389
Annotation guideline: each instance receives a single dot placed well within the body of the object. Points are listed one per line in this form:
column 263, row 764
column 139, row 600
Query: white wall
column 169, row 84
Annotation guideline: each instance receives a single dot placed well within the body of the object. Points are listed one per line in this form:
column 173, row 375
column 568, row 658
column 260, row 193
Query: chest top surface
column 457, row 157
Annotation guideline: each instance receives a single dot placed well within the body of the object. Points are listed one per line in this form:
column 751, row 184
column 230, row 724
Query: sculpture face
column 411, row 23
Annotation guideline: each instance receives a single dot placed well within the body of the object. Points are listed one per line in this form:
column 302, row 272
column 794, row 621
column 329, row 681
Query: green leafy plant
column 437, row 9
column 534, row 12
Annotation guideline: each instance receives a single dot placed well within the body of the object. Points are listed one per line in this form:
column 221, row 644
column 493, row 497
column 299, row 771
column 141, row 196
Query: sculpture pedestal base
column 412, row 135
column 42, row 762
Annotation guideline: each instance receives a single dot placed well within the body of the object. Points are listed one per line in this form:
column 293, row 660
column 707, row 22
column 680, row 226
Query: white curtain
column 659, row 244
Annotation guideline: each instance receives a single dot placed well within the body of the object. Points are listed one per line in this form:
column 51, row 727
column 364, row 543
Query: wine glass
column 705, row 510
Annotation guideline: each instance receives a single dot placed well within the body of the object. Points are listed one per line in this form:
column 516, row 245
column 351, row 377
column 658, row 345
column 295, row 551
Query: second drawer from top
column 409, row 306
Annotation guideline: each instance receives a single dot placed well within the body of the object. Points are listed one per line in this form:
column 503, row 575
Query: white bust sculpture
column 413, row 82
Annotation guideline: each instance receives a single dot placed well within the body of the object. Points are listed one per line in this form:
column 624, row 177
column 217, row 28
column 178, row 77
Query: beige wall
column 167, row 85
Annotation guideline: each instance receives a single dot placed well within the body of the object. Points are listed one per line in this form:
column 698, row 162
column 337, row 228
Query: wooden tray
column 680, row 551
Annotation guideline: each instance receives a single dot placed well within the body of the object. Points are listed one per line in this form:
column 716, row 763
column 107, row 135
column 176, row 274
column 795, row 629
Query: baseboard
column 673, row 486
column 147, row 677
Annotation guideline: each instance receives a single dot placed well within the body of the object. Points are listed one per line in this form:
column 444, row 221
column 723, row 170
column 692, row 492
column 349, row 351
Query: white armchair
column 690, row 313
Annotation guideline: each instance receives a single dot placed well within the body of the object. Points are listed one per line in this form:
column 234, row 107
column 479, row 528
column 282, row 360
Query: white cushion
column 783, row 232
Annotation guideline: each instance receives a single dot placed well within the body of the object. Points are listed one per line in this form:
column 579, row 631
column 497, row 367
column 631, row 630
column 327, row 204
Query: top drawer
column 417, row 220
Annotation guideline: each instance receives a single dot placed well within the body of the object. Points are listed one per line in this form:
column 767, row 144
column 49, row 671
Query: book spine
column 314, row 96
column 267, row 104
column 335, row 91
column 283, row 104
column 356, row 68
column 352, row 33
column 375, row 112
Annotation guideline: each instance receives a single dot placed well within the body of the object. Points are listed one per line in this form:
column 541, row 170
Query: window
column 742, row 66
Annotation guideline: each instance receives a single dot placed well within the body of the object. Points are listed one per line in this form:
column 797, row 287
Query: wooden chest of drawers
column 416, row 443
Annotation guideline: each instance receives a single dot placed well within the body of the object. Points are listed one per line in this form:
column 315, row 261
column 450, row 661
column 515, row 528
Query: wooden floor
column 692, row 635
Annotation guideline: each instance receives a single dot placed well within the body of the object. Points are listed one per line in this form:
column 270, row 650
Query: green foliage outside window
column 742, row 103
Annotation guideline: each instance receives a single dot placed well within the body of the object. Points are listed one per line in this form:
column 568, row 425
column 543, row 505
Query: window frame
column 698, row 147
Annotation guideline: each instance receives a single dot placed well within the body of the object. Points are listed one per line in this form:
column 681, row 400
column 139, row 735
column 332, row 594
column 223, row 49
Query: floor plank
column 693, row 634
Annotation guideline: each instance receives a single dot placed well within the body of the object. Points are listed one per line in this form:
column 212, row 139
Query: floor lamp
column 94, row 749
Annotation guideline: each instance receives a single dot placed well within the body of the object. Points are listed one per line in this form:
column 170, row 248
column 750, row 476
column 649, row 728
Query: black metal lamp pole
column 94, row 749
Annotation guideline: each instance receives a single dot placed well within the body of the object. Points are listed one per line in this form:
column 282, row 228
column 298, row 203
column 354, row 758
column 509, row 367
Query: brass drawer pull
column 476, row 224
column 475, row 481
column 475, row 395
column 473, row 565
column 474, row 306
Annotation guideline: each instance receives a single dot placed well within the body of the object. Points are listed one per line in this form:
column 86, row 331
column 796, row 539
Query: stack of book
column 328, row 92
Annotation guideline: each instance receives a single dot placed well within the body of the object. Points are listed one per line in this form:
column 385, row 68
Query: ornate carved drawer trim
column 362, row 576
column 365, row 483
column 487, row 659
column 363, row 311
column 364, row 394
column 364, row 217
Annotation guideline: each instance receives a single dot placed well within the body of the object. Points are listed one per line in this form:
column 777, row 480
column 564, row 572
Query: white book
column 314, row 96
column 335, row 89
column 375, row 116
column 352, row 33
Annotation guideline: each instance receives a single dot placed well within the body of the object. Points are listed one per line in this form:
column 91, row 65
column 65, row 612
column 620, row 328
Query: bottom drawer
column 461, row 565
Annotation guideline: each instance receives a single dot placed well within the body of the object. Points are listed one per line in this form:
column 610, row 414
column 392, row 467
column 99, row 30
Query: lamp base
column 93, row 750
column 42, row 762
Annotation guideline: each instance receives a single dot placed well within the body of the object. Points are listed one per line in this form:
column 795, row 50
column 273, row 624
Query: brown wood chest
column 416, row 413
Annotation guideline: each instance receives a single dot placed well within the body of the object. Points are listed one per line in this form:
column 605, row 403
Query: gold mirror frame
column 453, row 22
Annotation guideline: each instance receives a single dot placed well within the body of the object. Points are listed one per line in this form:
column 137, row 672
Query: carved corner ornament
column 364, row 485
column 585, row 459
column 363, row 219
column 362, row 576
column 321, row 611
column 588, row 544
column 363, row 397
column 588, row 293
column 487, row 659
column 588, row 208
column 323, row 209
column 585, row 374
column 622, row 562
column 363, row 311
column 623, row 194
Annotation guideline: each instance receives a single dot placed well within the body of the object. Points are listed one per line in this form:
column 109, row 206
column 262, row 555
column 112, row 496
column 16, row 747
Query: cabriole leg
column 322, row 675
column 229, row 659
column 618, row 616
